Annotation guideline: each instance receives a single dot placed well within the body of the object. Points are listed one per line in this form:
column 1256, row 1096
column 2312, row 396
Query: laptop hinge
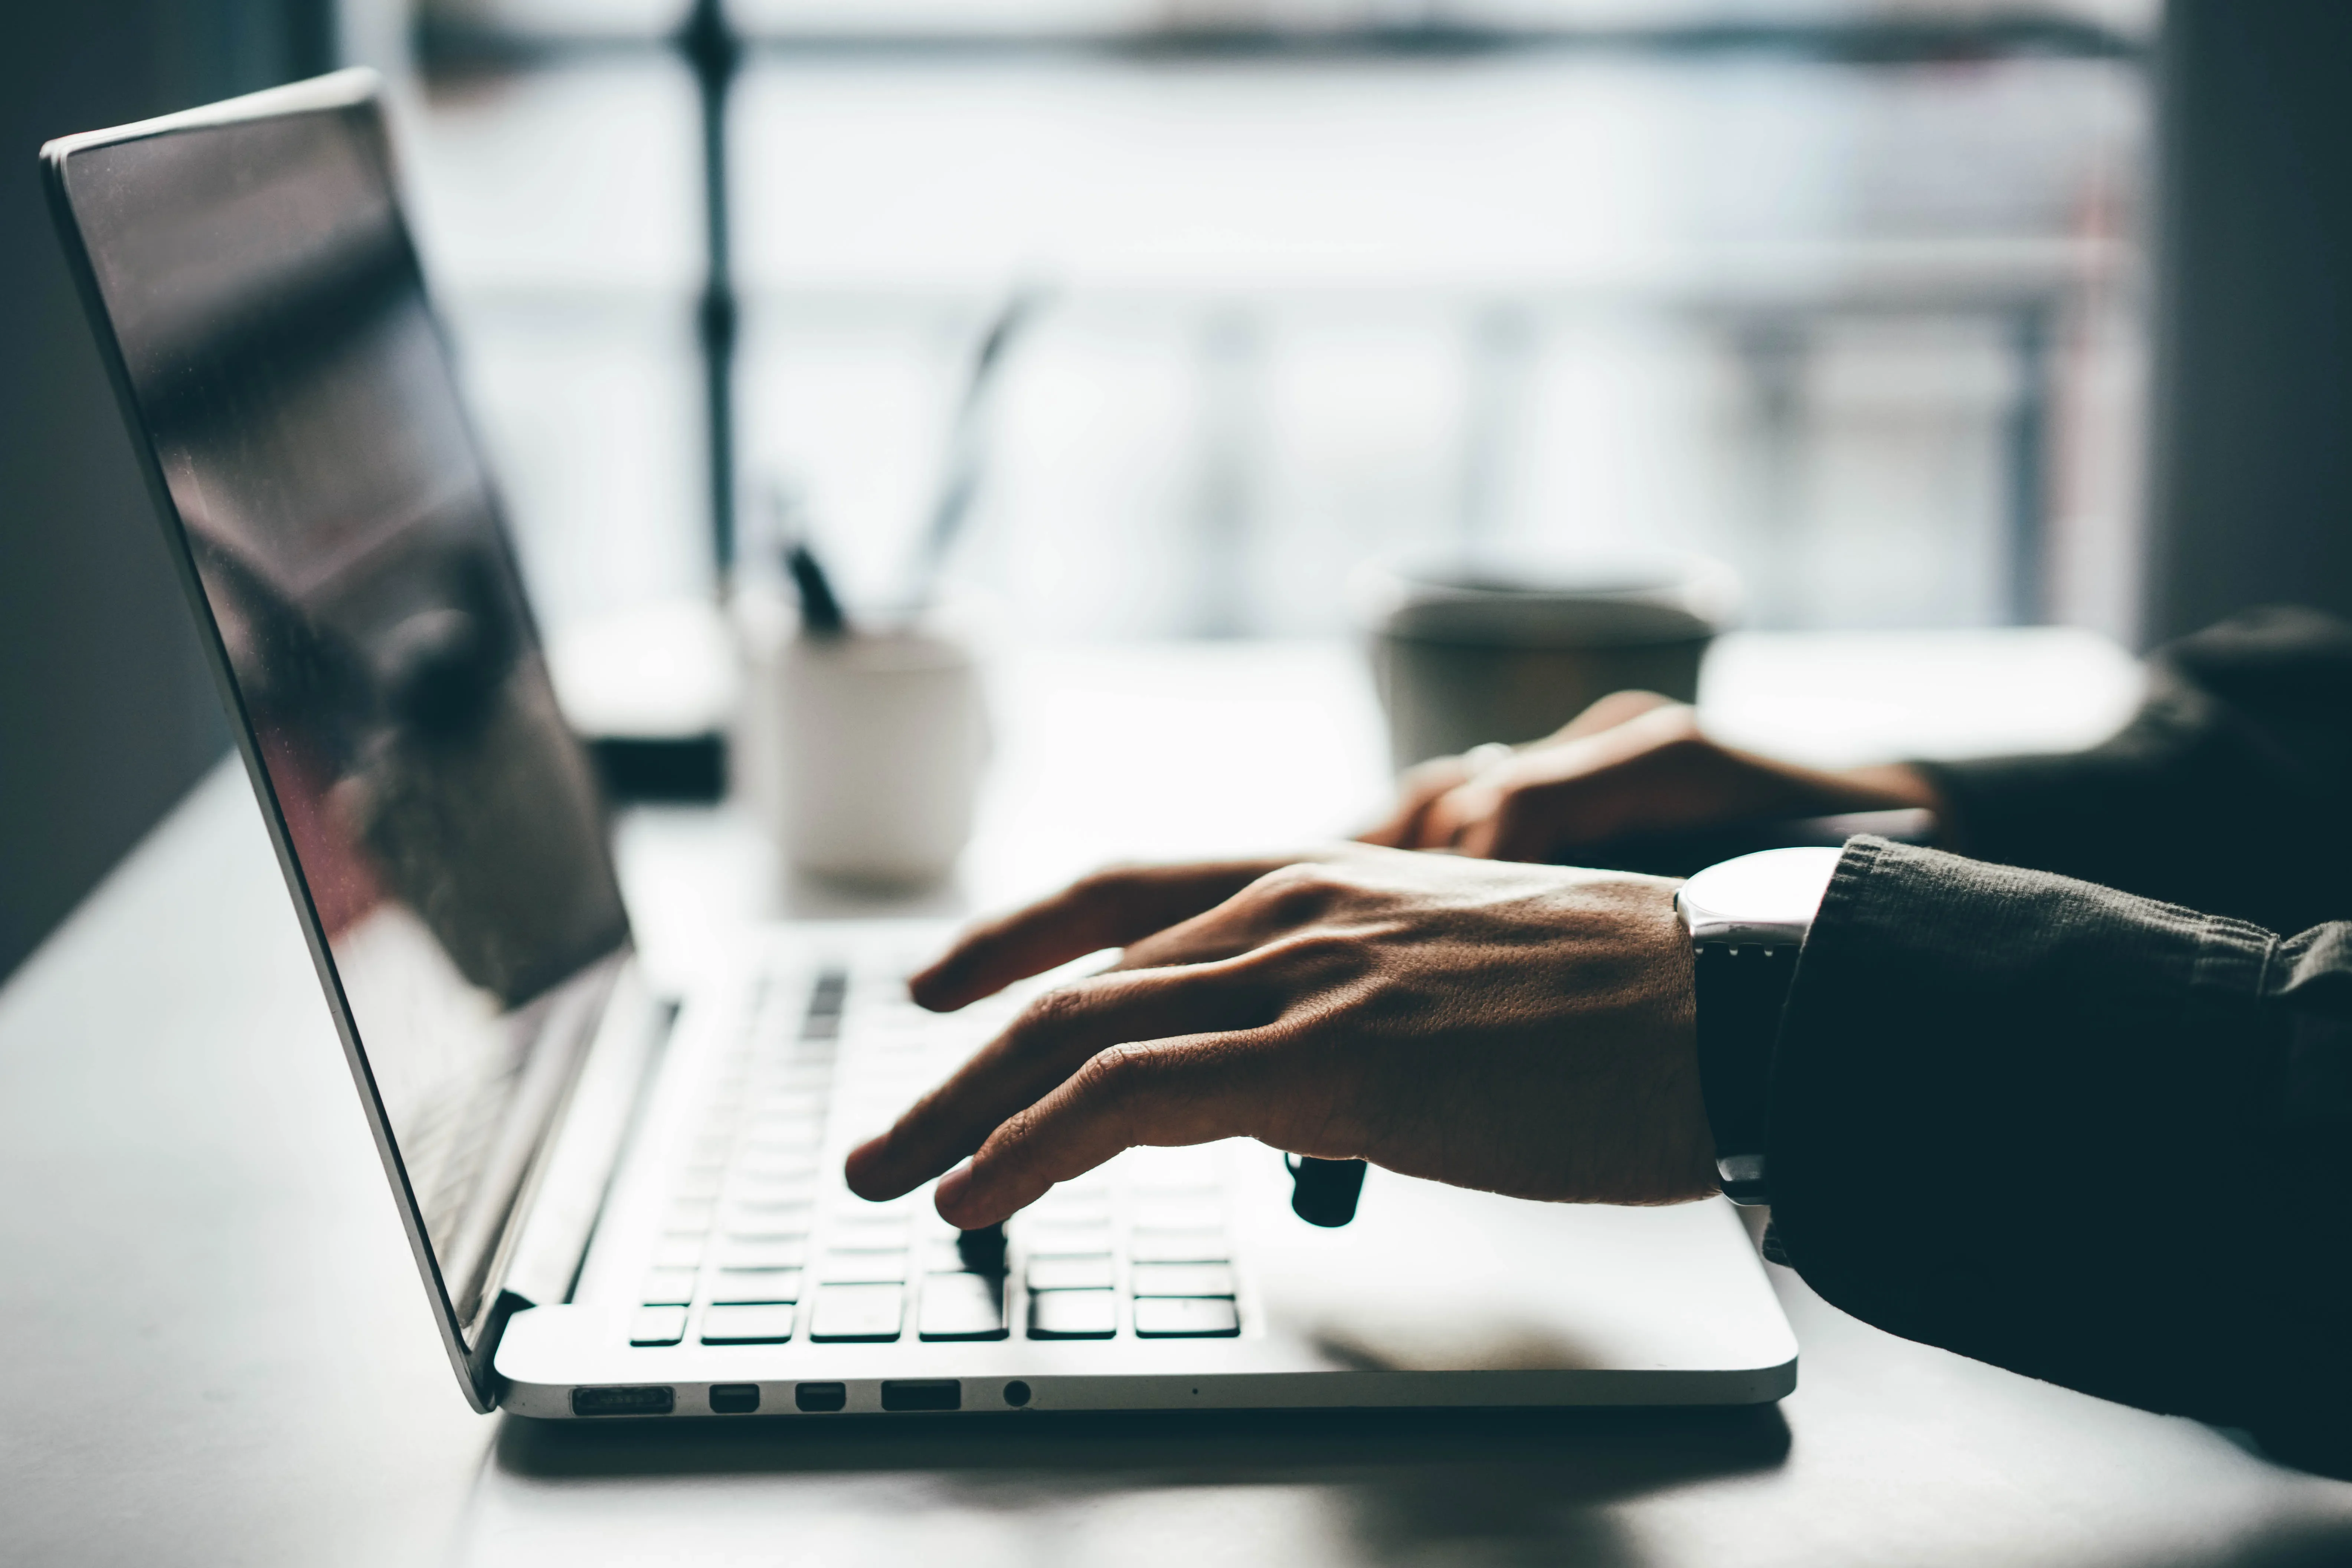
column 567, row 1197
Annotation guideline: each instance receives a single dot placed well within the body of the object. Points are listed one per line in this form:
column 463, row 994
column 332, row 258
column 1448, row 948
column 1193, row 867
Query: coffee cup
column 1472, row 647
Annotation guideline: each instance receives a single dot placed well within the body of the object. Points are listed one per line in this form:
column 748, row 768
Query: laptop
column 629, row 1205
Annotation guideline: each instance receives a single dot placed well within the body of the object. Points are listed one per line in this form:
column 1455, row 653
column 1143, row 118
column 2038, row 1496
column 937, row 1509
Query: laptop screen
column 444, row 826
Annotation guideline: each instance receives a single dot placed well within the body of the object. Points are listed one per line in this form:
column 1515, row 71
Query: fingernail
column 952, row 1189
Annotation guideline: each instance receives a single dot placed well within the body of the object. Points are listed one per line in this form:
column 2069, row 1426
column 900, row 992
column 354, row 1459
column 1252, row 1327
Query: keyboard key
column 752, row 1229
column 864, row 1268
column 1177, row 1246
column 1073, row 1315
column 755, row 1284
column 857, row 1312
column 669, row 1288
column 1046, row 1239
column 658, row 1326
column 760, row 1217
column 789, row 1252
column 962, row 1307
column 677, row 1252
column 766, row 1324
column 1080, row 1273
column 1167, row 1215
column 736, row 1287
column 1177, row 1189
column 979, row 1251
column 1185, row 1317
column 689, row 1217
column 869, row 1232
column 1081, row 1206
column 774, row 1177
column 1179, row 1280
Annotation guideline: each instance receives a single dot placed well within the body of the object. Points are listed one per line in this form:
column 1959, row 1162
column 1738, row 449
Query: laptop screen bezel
column 356, row 95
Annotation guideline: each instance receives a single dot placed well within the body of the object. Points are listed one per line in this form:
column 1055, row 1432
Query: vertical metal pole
column 1231, row 355
column 1502, row 361
column 715, row 53
column 1774, row 350
column 2028, row 464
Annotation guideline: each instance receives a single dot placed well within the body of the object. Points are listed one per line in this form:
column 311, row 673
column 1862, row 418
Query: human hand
column 1522, row 1029
column 1633, row 762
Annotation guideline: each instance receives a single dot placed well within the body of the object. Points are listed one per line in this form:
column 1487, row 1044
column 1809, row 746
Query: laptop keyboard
column 763, row 1244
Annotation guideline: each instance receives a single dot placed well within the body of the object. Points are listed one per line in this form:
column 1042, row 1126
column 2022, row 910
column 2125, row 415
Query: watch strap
column 1741, row 990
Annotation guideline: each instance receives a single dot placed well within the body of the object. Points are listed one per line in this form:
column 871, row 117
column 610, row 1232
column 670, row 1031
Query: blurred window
column 1846, row 293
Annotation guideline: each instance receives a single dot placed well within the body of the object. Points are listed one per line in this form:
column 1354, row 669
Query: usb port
column 642, row 1400
column 922, row 1394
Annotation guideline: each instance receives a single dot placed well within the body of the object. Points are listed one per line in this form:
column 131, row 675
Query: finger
column 1053, row 1038
column 1454, row 819
column 1617, row 708
column 1420, row 787
column 1191, row 1090
column 1110, row 909
column 1272, row 906
column 1522, row 826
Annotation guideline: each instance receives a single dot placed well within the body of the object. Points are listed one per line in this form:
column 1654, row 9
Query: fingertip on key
column 933, row 989
column 950, row 1197
column 861, row 1170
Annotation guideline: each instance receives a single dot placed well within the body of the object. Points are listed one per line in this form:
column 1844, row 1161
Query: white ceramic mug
column 874, row 745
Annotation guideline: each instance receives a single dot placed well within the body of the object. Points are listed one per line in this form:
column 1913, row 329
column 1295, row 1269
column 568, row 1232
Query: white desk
column 213, row 1347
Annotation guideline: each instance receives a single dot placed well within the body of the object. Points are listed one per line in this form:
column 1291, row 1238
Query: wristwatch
column 1747, row 918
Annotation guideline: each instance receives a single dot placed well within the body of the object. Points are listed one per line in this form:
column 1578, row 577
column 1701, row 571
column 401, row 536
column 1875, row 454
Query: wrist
column 1747, row 920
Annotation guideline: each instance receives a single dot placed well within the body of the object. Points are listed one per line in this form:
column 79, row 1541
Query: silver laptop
column 624, row 1206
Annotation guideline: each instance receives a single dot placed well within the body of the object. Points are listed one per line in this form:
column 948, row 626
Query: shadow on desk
column 1401, row 1483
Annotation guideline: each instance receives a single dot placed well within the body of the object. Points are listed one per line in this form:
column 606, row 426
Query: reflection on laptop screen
column 299, row 401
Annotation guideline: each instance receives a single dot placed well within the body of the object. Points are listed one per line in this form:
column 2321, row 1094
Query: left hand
column 1517, row 1028
column 1631, row 764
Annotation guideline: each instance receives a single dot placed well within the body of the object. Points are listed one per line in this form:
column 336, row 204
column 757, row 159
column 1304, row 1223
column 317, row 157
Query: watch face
column 1770, row 897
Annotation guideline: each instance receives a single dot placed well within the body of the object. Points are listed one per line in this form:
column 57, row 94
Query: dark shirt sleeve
column 2086, row 1135
column 2227, row 793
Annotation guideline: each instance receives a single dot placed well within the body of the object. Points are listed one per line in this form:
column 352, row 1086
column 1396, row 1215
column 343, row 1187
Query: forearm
column 2051, row 1126
column 2246, row 737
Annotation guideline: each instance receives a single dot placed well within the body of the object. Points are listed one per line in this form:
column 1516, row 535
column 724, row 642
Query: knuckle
column 1015, row 1133
column 1115, row 1072
column 1298, row 893
column 1050, row 1014
column 1323, row 955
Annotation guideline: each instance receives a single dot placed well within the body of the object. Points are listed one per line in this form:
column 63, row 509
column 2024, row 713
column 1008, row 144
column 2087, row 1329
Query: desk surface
column 214, row 1349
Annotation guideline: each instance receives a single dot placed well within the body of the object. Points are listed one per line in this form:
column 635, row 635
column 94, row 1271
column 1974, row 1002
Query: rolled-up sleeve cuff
column 1976, row 1067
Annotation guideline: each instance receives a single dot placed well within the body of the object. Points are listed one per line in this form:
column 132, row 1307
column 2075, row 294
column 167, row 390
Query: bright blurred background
column 1849, row 294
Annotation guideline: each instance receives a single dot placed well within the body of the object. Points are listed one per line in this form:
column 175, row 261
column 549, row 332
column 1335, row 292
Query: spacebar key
column 854, row 1312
